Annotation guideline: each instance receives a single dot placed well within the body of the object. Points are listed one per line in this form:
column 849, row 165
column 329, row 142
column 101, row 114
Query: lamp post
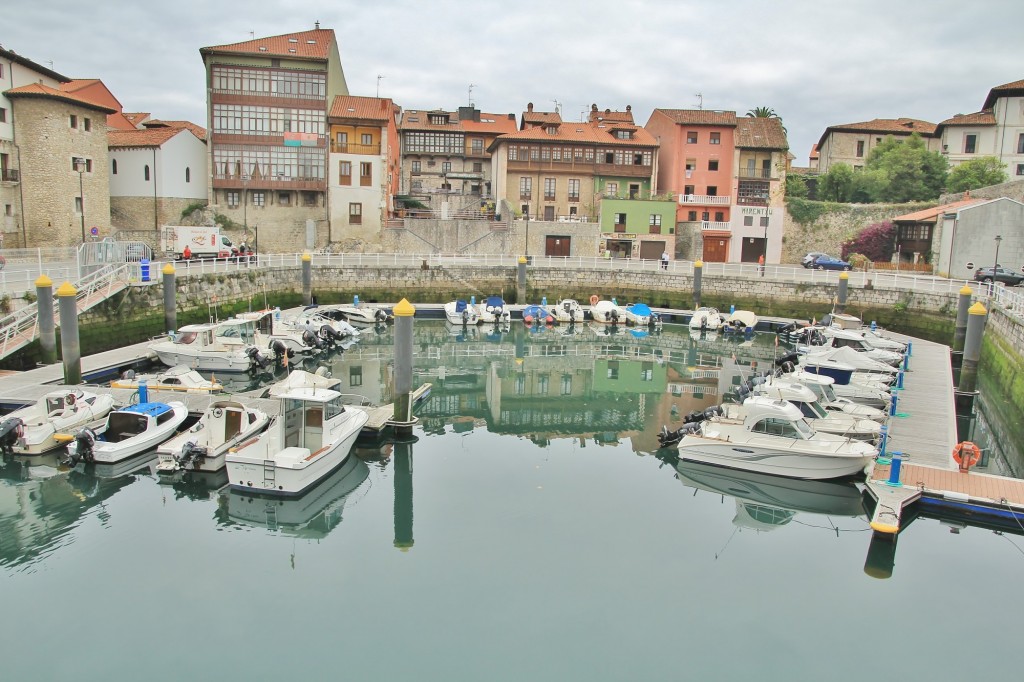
column 526, row 249
column 999, row 238
column 245, row 203
column 80, row 167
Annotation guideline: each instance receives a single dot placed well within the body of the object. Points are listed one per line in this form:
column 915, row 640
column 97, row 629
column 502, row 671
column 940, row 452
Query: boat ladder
column 271, row 510
column 269, row 473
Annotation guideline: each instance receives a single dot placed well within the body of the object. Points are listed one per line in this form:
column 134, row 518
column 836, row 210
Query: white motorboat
column 311, row 437
column 269, row 330
column 181, row 378
column 608, row 312
column 820, row 419
column 360, row 315
column 740, row 321
column 224, row 424
column 330, row 330
column 824, row 388
column 769, row 437
column 568, row 310
column 32, row 430
column 211, row 348
column 706, row 318
column 641, row 315
column 461, row 312
column 842, row 338
column 494, row 309
column 862, row 391
column 127, row 432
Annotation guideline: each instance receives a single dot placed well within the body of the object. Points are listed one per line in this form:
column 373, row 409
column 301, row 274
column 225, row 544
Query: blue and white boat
column 537, row 313
column 641, row 315
column 127, row 432
column 494, row 309
column 461, row 312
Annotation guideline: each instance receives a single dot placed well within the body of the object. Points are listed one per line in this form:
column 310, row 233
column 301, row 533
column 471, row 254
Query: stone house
column 850, row 143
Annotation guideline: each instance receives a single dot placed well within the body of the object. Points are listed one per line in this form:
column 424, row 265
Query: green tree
column 796, row 186
column 762, row 112
column 836, row 184
column 980, row 172
column 907, row 170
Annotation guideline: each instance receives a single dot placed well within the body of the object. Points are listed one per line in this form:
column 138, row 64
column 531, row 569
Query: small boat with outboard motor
column 181, row 378
column 33, row 430
column 202, row 447
column 127, row 431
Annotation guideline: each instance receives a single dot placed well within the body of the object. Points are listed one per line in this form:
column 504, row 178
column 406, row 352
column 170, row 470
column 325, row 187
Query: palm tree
column 762, row 112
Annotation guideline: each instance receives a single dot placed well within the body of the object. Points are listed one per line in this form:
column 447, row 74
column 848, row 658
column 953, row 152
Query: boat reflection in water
column 311, row 515
column 765, row 502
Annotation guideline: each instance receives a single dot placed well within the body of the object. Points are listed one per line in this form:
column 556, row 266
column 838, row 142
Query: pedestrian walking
column 664, row 260
column 760, row 264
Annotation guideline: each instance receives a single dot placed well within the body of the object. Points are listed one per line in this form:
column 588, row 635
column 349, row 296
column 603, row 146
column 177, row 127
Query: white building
column 997, row 130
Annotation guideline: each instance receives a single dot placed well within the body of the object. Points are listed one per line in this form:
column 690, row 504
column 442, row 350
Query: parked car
column 808, row 260
column 999, row 274
column 824, row 262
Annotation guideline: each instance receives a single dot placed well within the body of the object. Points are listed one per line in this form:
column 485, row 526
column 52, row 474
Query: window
column 688, row 190
column 478, row 167
column 188, row 174
column 309, row 198
column 520, row 387
column 691, row 137
column 543, row 381
column 566, row 384
column 1020, row 169
column 3, row 115
column 712, row 190
column 654, row 220
column 88, row 124
column 970, row 143
column 446, row 167
column 78, row 205
column 513, row 153
column 1020, row 138
column 8, row 210
column 716, row 138
column 549, row 189
column 705, row 216
column 691, row 216
column 748, row 221
column 74, row 121
column 341, row 140
column 145, row 173
column 477, row 145
column 259, row 198
column 624, row 134
column 713, row 165
column 764, row 221
column 232, row 198
column 574, row 189
column 611, row 189
column 88, row 165
column 284, row 198
column 366, row 138
column 719, row 216
column 344, row 172
column 355, row 214
column 860, row 148
column 365, row 174
column 525, row 188
column 416, row 166
column 620, row 219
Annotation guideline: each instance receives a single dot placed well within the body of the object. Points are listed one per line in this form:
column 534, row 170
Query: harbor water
column 530, row 530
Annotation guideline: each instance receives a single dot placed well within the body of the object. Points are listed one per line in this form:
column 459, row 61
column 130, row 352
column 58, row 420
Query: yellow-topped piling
column 404, row 309
column 44, row 281
column 67, row 289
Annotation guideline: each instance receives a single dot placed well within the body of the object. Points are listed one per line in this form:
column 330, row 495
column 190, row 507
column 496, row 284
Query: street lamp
column 526, row 249
column 999, row 238
column 80, row 167
column 245, row 203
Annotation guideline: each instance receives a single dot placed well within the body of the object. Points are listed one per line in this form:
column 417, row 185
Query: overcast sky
column 815, row 62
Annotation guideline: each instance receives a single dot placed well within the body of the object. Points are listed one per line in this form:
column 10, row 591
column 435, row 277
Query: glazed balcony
column 752, row 201
column 581, row 167
column 221, row 181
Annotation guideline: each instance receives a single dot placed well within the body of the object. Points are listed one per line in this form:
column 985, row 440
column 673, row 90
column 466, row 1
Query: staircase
column 21, row 327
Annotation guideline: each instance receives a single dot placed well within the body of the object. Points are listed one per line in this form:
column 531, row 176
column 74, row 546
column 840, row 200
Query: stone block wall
column 839, row 223
column 136, row 213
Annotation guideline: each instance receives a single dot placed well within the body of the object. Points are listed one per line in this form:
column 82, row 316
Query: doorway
column 557, row 245
column 753, row 248
column 549, row 213
column 716, row 249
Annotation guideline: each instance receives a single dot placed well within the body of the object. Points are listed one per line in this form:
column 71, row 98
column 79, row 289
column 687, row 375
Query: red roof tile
column 930, row 215
column 904, row 126
column 40, row 90
column 315, row 44
column 706, row 117
column 611, row 116
column 977, row 118
column 541, row 117
column 362, row 108
column 496, row 124
column 137, row 117
column 584, row 132
column 1014, row 89
column 760, row 133
column 197, row 130
column 150, row 137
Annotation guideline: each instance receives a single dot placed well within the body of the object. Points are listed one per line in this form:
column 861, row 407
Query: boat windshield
column 54, row 404
column 812, row 410
column 185, row 338
column 828, row 394
column 804, row 429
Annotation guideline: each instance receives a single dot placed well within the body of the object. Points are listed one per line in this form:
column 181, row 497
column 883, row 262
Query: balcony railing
column 702, row 199
column 715, row 225
column 759, row 173
column 222, row 181
column 9, row 175
column 592, row 167
column 350, row 148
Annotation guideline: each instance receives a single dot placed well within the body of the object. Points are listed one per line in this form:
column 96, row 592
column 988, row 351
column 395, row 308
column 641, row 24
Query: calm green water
column 529, row 533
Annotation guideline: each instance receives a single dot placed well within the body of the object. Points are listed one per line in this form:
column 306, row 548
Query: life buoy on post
column 594, row 299
column 966, row 454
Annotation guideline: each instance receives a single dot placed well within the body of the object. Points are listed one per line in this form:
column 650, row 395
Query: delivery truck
column 201, row 242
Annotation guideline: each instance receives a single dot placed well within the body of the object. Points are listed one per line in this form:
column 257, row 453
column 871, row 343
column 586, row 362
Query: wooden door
column 716, row 249
column 555, row 245
column 549, row 213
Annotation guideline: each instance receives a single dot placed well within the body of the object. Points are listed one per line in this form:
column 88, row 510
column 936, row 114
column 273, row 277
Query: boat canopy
column 495, row 302
column 150, row 409
column 640, row 309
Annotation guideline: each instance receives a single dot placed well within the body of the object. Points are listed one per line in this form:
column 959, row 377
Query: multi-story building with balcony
column 364, row 166
column 850, row 143
column 997, row 130
column 446, row 156
column 727, row 176
column 267, row 104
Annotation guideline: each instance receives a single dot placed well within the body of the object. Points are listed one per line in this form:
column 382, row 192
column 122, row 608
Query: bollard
column 47, row 329
column 403, row 420
column 543, row 301
column 472, row 300
column 844, row 288
column 962, row 308
column 143, row 391
column 972, row 348
column 906, row 360
column 307, row 279
column 874, row 326
column 71, row 350
column 894, row 469
column 403, row 496
column 698, row 275
column 899, row 380
column 170, row 305
column 732, row 308
column 881, row 446
column 892, row 404
column 910, row 348
column 521, row 280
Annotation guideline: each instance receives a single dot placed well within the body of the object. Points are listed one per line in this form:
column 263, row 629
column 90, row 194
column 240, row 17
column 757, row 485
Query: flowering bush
column 875, row 242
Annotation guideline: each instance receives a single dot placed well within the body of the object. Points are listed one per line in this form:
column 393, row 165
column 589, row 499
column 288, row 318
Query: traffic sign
column 94, row 231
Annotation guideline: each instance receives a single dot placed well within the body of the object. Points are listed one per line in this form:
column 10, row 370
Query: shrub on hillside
column 876, row 242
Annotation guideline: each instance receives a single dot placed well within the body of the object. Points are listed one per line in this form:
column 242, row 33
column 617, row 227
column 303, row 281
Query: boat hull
column 210, row 362
column 762, row 460
column 104, row 452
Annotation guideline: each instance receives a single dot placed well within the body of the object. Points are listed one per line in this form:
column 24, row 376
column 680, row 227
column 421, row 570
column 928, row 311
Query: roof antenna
column 471, row 86
column 317, row 24
column 252, row 35
column 700, row 100
column 558, row 107
column 379, row 77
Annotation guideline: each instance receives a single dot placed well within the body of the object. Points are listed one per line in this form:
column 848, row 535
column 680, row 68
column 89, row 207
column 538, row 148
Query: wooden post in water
column 844, row 288
column 972, row 348
column 698, row 275
column 170, row 305
column 403, row 495
column 521, row 281
column 403, row 419
column 962, row 308
column 307, row 279
column 47, row 331
column 71, row 350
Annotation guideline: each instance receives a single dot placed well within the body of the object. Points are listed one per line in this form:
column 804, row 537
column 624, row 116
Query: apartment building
column 365, row 166
column 268, row 147
column 850, row 143
column 997, row 130
column 446, row 157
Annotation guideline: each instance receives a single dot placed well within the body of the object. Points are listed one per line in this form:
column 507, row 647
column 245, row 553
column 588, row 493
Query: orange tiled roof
column 814, row 151
column 363, row 108
column 541, row 117
column 760, row 133
column 611, row 116
column 978, row 118
column 149, row 137
column 78, row 83
column 585, row 133
column 930, row 215
column 419, row 119
column 40, row 90
column 315, row 44
column 137, row 117
column 706, row 117
column 197, row 130
column 884, row 126
column 1014, row 89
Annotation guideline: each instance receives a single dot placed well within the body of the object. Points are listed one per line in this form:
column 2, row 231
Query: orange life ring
column 594, row 299
column 966, row 450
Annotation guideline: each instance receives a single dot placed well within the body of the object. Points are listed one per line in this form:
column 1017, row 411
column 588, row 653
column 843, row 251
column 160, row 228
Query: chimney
column 529, row 107
column 317, row 25
column 629, row 107
column 512, row 117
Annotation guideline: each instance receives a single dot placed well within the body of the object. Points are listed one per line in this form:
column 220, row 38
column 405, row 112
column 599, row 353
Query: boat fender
column 966, row 454
column 128, row 375
column 594, row 299
column 69, row 399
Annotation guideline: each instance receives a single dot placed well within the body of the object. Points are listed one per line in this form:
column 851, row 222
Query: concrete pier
column 47, row 329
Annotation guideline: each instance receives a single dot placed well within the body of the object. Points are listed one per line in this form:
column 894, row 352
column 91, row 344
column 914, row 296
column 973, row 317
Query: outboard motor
column 191, row 456
column 792, row 357
column 694, row 416
column 330, row 334
column 465, row 317
column 11, row 429
column 311, row 340
column 715, row 411
column 280, row 350
column 84, row 442
column 128, row 374
column 257, row 360
column 614, row 316
column 380, row 315
column 788, row 367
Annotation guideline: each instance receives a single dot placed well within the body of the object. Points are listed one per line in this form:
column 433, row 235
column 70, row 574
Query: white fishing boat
column 494, row 309
column 820, row 419
column 361, row 316
column 211, row 348
column 842, row 338
column 769, row 437
column 823, row 388
column 860, row 362
column 309, row 439
column 461, row 312
column 608, row 312
column 641, row 315
column 568, row 310
column 863, row 391
column 182, row 379
column 269, row 330
column 328, row 329
column 31, row 430
column 224, row 424
column 127, row 432
column 706, row 318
